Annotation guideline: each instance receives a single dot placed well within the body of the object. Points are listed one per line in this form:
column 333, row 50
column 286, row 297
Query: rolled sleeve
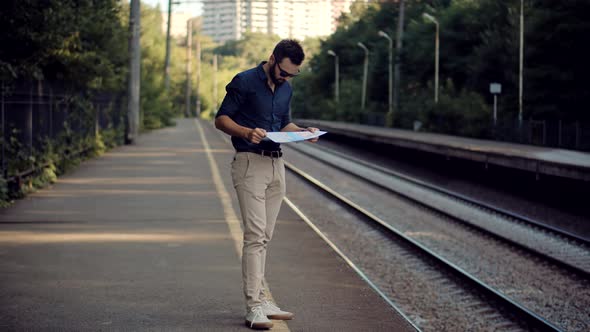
column 234, row 98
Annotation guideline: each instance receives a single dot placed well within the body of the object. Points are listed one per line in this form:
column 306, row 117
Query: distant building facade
column 229, row 20
column 339, row 7
column 178, row 26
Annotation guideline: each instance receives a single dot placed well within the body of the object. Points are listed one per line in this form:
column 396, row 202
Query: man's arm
column 232, row 102
column 230, row 127
column 293, row 127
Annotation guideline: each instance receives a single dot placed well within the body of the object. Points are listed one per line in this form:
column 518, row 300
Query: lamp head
column 430, row 18
column 330, row 52
column 361, row 45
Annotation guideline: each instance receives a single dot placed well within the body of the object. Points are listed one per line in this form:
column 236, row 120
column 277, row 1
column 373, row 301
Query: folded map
column 292, row 136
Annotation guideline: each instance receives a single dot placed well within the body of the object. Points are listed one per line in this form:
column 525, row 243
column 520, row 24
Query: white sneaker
column 273, row 312
column 257, row 320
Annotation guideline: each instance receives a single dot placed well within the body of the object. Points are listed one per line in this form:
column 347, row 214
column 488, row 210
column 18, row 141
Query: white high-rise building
column 228, row 20
column 221, row 20
column 339, row 7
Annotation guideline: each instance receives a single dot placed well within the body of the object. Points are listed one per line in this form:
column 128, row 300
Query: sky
column 192, row 6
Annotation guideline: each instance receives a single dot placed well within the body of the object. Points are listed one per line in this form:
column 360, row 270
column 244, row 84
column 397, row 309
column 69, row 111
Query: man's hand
column 256, row 135
column 312, row 129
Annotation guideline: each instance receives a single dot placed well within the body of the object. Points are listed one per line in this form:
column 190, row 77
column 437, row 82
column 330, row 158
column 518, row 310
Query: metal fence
column 34, row 111
column 573, row 135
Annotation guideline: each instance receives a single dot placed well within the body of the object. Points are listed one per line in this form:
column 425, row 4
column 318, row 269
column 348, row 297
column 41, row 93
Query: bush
column 4, row 193
column 464, row 115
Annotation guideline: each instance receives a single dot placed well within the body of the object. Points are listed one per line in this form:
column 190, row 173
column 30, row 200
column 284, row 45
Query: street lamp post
column 365, row 73
column 432, row 19
column 336, row 78
column 520, row 63
column 198, row 50
column 189, row 38
column 390, row 90
column 134, row 81
column 215, row 82
column 397, row 67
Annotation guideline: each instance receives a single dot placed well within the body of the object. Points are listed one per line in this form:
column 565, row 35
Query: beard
column 275, row 80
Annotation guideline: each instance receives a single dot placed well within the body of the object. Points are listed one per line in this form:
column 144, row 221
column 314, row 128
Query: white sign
column 495, row 88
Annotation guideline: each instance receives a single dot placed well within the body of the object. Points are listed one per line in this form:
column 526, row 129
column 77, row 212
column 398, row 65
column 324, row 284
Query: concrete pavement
column 139, row 240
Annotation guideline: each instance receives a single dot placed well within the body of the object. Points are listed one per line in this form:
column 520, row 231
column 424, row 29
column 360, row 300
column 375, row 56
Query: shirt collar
column 260, row 70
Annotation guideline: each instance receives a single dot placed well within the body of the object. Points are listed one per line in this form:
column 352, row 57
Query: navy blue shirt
column 250, row 102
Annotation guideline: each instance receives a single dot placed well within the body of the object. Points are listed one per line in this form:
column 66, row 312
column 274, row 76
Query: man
column 257, row 101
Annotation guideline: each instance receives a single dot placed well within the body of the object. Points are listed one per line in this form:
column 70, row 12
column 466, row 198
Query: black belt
column 266, row 153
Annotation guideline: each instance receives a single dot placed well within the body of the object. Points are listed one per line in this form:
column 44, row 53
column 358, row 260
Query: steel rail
column 482, row 206
column 535, row 321
column 458, row 196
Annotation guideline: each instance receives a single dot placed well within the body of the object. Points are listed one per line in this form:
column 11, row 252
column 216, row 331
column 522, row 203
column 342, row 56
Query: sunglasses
column 283, row 73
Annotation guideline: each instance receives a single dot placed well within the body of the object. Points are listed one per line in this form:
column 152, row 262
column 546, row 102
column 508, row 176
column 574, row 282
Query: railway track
column 462, row 281
column 482, row 305
column 557, row 246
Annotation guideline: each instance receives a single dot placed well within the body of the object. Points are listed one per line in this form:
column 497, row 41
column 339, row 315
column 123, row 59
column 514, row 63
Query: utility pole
column 520, row 63
column 398, row 52
column 365, row 74
column 336, row 76
column 436, row 53
column 134, row 72
column 198, row 73
column 270, row 24
column 189, row 38
column 389, row 69
column 167, row 61
column 215, row 82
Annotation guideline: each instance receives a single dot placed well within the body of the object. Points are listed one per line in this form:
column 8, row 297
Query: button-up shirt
column 251, row 103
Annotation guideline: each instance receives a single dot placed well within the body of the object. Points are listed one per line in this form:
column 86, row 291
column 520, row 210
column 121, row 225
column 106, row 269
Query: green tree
column 479, row 45
column 556, row 59
column 78, row 42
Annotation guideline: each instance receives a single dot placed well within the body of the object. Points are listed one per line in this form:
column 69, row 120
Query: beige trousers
column 260, row 186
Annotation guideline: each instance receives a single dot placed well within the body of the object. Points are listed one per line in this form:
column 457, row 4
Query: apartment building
column 339, row 7
column 222, row 20
column 228, row 20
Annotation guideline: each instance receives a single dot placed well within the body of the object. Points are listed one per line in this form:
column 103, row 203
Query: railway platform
column 538, row 160
column 147, row 238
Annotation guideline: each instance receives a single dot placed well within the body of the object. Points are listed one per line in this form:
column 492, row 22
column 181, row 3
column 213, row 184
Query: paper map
column 292, row 136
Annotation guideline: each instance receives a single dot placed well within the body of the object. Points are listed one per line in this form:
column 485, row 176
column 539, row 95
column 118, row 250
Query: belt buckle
column 272, row 154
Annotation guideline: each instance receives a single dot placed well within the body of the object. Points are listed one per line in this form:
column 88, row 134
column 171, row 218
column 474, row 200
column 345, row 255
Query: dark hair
column 289, row 48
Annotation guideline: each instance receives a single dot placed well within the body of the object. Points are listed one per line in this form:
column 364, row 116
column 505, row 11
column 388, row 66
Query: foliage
column 4, row 193
column 156, row 104
column 250, row 50
column 479, row 44
column 556, row 68
column 232, row 57
column 78, row 42
column 82, row 46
